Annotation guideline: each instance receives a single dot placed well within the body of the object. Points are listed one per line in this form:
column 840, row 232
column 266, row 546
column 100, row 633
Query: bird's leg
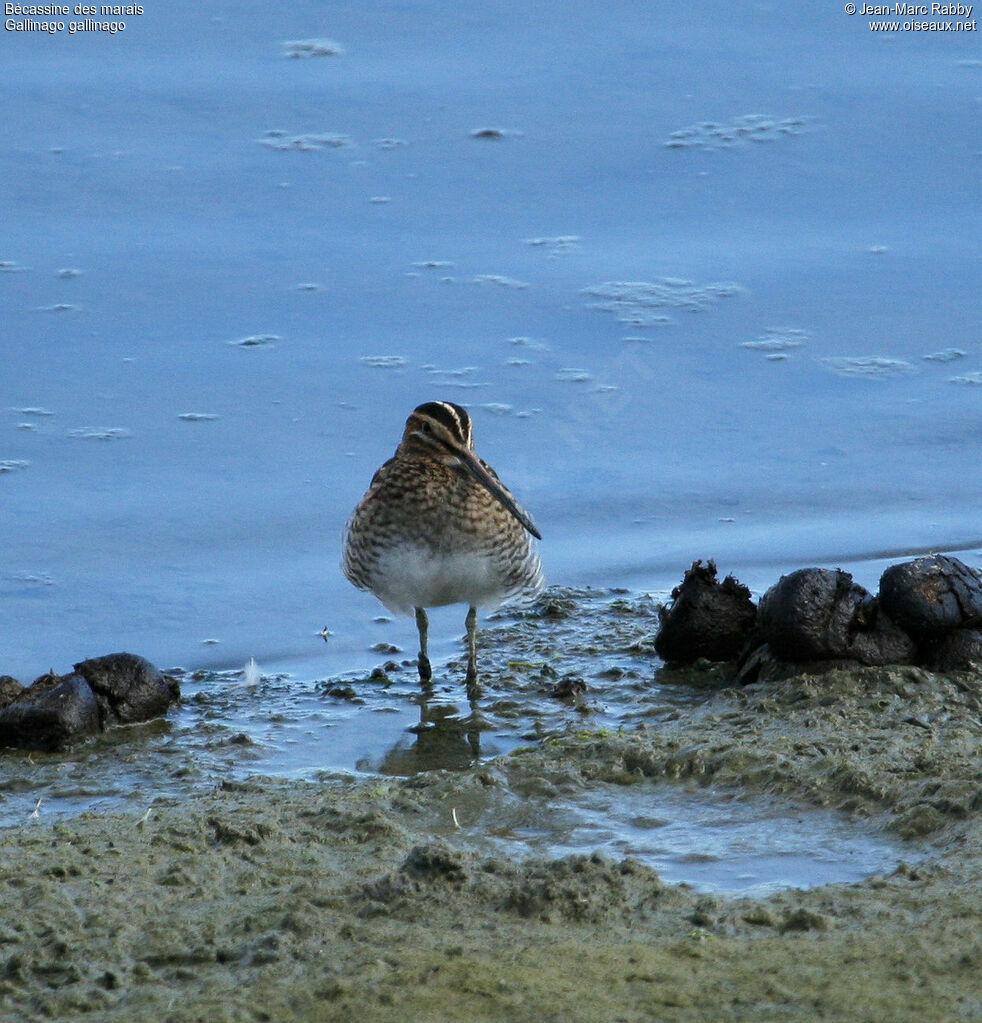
column 423, row 662
column 472, row 683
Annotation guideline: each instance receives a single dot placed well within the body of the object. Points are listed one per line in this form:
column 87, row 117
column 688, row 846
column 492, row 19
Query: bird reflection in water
column 441, row 741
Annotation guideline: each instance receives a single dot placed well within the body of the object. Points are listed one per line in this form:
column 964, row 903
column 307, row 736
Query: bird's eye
column 425, row 427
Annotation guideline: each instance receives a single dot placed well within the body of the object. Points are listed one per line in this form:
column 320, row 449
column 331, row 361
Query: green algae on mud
column 342, row 899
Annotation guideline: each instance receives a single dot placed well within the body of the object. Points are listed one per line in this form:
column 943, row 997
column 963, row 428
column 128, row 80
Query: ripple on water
column 500, row 280
column 739, row 131
column 300, row 48
column 533, row 344
column 383, row 361
column 633, row 302
column 256, row 341
column 777, row 340
column 945, row 355
column 462, row 378
column 281, row 141
column 495, row 133
column 557, row 245
column 867, row 366
column 101, row 433
column 572, row 375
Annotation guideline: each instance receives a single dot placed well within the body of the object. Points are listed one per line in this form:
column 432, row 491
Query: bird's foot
column 425, row 671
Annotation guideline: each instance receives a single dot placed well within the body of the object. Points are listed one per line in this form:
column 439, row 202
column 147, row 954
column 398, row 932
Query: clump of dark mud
column 928, row 612
column 938, row 600
column 708, row 619
column 57, row 711
column 817, row 620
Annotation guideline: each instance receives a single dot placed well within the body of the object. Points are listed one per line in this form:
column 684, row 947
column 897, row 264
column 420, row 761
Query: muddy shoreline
column 371, row 899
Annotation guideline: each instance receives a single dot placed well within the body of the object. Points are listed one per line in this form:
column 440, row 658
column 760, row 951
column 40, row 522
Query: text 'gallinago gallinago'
column 438, row 527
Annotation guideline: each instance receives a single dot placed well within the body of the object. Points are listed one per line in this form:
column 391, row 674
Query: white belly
column 412, row 577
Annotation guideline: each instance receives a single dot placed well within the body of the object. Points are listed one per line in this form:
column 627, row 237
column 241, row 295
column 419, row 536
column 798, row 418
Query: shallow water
column 237, row 723
column 226, row 729
column 232, row 725
column 699, row 837
column 549, row 251
column 706, row 278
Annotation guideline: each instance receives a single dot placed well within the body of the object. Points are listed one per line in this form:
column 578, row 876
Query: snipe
column 438, row 527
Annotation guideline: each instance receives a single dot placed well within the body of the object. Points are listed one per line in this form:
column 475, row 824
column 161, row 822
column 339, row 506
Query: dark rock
column 706, row 619
column 128, row 688
column 807, row 615
column 960, row 648
column 56, row 711
column 932, row 595
column 818, row 614
column 51, row 714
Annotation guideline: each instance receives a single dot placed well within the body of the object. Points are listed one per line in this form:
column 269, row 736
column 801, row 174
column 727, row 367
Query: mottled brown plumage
column 438, row 527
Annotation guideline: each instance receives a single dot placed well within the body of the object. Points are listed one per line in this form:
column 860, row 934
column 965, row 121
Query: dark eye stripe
column 451, row 416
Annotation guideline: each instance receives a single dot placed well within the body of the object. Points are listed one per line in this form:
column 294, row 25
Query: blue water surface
column 706, row 275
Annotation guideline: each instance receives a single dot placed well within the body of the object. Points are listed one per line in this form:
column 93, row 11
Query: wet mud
column 375, row 898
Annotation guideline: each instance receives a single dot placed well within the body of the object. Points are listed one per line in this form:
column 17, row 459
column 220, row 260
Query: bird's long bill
column 469, row 462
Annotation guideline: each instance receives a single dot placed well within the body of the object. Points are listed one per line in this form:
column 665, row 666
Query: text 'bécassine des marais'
column 67, row 10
